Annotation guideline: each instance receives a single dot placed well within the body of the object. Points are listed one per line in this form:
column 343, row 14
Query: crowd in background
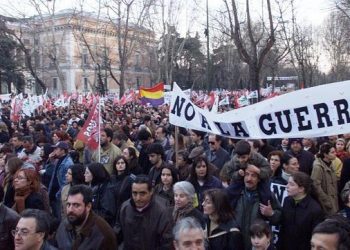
column 56, row 192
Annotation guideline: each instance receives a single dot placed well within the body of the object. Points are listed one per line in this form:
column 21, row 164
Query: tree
column 129, row 26
column 260, row 39
column 10, row 68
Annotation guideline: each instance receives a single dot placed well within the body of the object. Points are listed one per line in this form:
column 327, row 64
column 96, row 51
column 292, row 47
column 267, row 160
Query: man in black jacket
column 144, row 221
column 8, row 221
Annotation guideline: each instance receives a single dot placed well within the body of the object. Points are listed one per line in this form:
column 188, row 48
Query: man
column 62, row 161
column 17, row 143
column 155, row 156
column 8, row 221
column 30, row 153
column 251, row 204
column 216, row 154
column 32, row 230
column 188, row 234
column 161, row 137
column 108, row 151
column 234, row 169
column 331, row 234
column 82, row 228
column 145, row 139
column 305, row 158
column 197, row 138
column 144, row 221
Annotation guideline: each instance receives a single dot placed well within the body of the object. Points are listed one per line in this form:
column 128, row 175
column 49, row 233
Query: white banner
column 311, row 112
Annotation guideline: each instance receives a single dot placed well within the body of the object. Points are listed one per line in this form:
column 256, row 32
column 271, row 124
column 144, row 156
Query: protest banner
column 313, row 112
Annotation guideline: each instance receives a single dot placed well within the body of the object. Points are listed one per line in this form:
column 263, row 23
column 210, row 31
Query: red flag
column 90, row 132
column 16, row 107
column 128, row 98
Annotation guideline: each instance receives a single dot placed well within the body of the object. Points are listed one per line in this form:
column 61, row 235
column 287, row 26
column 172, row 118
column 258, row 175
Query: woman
column 341, row 152
column 131, row 156
column 261, row 236
column 121, row 181
column 325, row 179
column 185, row 200
column 27, row 185
column 290, row 165
column 164, row 189
column 221, row 228
column 74, row 176
column 202, row 179
column 103, row 202
column 300, row 213
column 11, row 167
column 275, row 161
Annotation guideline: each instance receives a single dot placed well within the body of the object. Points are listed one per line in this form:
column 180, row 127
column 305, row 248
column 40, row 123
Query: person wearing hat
column 305, row 158
column 156, row 157
column 62, row 161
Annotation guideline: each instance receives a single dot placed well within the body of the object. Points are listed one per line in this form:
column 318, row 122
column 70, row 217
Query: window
column 55, row 80
column 86, row 88
column 85, row 56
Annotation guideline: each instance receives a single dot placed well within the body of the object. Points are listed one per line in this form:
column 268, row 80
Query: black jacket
column 225, row 237
column 298, row 221
column 305, row 159
column 8, row 222
column 103, row 202
column 149, row 229
column 35, row 201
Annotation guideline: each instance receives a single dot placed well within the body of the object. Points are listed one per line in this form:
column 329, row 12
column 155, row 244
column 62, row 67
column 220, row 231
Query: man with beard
column 155, row 156
column 83, row 229
column 108, row 151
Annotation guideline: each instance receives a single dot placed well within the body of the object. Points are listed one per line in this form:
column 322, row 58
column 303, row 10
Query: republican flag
column 90, row 132
column 153, row 96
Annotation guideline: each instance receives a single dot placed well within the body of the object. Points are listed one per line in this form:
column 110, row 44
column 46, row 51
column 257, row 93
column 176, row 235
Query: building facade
column 80, row 53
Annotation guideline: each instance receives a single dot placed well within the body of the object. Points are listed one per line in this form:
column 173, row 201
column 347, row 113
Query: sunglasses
column 211, row 142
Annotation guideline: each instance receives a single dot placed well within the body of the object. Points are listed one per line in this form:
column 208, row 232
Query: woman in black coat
column 300, row 214
column 221, row 227
column 103, row 202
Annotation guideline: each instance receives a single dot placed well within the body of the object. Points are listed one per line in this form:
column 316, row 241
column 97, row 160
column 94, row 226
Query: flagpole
column 99, row 131
column 176, row 146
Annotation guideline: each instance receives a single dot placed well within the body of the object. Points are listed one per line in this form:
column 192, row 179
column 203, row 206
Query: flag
column 154, row 96
column 224, row 101
column 215, row 107
column 243, row 101
column 128, row 97
column 253, row 94
column 16, row 107
column 90, row 132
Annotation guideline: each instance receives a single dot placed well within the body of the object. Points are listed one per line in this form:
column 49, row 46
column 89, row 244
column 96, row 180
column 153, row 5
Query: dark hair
column 84, row 190
column 42, row 220
column 28, row 138
column 184, row 154
column 260, row 228
column 325, row 148
column 302, row 180
column 109, row 133
column 1, row 193
column 99, row 173
column 155, row 148
column 242, row 148
column 221, row 204
column 173, row 171
column 143, row 179
column 132, row 152
column 201, row 134
column 127, row 170
column 196, row 161
column 336, row 225
column 279, row 153
column 143, row 135
column 78, row 171
column 286, row 158
column 14, row 164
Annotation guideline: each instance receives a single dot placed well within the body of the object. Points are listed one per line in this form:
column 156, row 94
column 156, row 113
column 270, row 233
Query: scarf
column 182, row 212
column 285, row 175
column 20, row 197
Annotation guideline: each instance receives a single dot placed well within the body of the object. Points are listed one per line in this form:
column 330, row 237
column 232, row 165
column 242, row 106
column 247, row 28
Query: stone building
column 79, row 53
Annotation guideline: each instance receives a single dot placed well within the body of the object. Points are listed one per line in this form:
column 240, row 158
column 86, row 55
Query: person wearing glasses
column 27, row 185
column 216, row 154
column 32, row 230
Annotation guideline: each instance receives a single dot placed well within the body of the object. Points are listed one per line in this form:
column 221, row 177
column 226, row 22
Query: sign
column 312, row 112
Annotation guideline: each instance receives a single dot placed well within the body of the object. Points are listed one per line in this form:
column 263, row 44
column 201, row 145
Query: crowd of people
column 152, row 186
